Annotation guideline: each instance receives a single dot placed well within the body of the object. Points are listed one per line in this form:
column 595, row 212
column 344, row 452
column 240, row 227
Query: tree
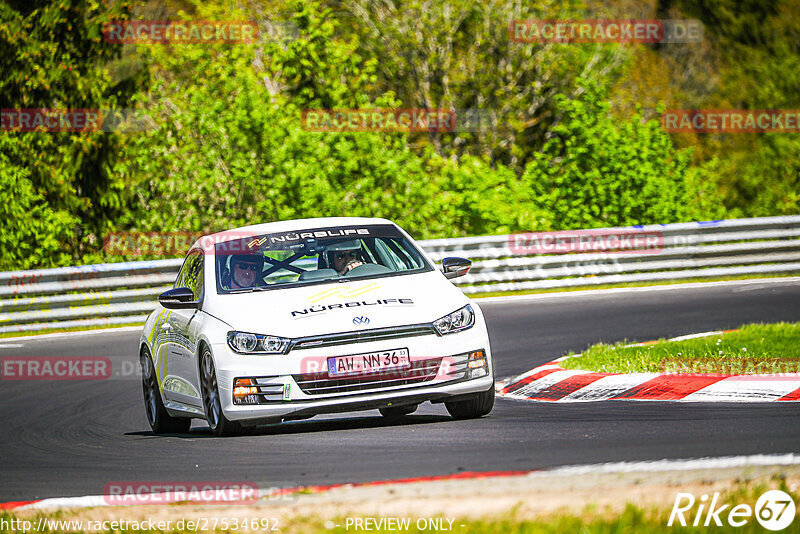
column 232, row 151
column 52, row 56
column 32, row 232
column 598, row 172
column 445, row 54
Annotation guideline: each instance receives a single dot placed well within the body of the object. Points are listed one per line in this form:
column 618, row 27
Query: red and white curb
column 552, row 383
column 649, row 466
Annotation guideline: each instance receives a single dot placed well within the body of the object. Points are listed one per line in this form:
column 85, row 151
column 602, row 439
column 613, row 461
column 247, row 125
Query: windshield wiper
column 248, row 290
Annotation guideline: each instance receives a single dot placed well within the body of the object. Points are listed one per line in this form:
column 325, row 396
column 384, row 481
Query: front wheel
column 160, row 421
column 477, row 406
column 217, row 422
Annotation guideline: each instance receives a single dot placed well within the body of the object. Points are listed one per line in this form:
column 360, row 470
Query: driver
column 344, row 256
column 245, row 269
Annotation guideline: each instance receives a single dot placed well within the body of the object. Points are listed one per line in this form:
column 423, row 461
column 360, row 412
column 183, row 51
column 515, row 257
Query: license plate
column 371, row 362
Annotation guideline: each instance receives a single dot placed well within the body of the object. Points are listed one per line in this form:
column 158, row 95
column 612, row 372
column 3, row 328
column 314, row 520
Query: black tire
column 160, row 421
column 477, row 406
column 398, row 411
column 217, row 422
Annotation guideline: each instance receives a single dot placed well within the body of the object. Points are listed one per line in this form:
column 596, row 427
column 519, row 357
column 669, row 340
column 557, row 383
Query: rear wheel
column 160, row 421
column 212, row 406
column 398, row 411
column 477, row 406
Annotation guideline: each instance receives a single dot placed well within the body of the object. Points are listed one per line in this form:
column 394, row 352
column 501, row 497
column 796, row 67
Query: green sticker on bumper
column 287, row 392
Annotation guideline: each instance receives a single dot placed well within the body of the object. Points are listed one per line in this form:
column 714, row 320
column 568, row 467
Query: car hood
column 339, row 307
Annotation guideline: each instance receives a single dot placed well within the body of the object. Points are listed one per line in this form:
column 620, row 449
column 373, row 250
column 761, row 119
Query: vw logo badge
column 361, row 319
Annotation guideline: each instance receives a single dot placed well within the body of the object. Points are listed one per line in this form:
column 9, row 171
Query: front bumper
column 292, row 397
column 274, row 413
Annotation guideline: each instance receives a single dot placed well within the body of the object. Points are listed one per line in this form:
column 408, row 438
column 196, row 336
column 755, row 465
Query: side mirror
column 178, row 299
column 455, row 267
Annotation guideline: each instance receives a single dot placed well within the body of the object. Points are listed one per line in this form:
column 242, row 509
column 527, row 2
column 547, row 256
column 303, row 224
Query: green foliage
column 226, row 146
column 762, row 180
column 230, row 152
column 52, row 52
column 597, row 172
column 52, row 56
column 32, row 231
column 479, row 200
column 758, row 44
column 319, row 69
column 458, row 55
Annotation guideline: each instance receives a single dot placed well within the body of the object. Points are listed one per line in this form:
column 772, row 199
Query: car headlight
column 455, row 322
column 247, row 343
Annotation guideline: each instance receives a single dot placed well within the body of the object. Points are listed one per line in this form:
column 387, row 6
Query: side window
column 398, row 255
column 193, row 276
column 390, row 256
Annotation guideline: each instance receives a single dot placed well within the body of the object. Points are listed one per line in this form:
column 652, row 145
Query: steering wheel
column 367, row 268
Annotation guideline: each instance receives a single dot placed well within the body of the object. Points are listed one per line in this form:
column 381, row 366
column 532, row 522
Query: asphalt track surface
column 71, row 438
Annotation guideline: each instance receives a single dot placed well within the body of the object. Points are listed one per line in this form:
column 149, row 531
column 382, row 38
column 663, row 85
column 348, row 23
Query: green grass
column 753, row 349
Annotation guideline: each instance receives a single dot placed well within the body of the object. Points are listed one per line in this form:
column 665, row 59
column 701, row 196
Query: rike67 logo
column 774, row 510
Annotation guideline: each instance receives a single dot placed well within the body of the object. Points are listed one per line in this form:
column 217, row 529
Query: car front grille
column 421, row 371
column 361, row 336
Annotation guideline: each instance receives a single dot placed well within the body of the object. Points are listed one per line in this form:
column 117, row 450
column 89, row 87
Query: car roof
column 294, row 225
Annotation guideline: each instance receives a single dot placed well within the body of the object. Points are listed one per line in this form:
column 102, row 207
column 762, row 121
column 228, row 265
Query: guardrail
column 124, row 293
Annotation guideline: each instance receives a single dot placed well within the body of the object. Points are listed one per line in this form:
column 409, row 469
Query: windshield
column 314, row 256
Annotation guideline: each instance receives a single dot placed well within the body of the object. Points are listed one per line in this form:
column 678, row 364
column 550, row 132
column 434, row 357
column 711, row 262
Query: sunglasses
column 340, row 255
column 247, row 266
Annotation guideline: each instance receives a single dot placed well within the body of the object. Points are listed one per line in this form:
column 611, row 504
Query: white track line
column 675, row 465
column 791, row 280
column 486, row 300
column 67, row 502
column 695, row 336
column 35, row 337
